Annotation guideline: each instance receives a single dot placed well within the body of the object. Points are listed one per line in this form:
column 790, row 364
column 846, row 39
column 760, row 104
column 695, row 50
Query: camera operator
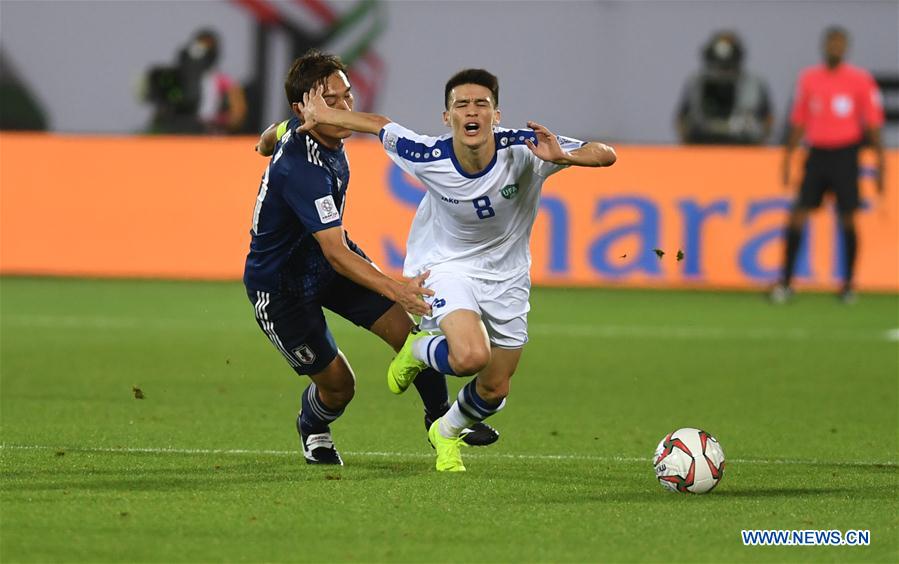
column 722, row 104
column 194, row 96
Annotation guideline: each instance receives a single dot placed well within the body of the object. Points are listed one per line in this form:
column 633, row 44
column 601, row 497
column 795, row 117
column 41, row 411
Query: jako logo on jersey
column 450, row 200
column 509, row 191
column 438, row 303
column 304, row 354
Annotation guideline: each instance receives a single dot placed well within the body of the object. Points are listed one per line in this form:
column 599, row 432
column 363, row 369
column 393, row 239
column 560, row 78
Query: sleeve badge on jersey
column 390, row 142
column 327, row 210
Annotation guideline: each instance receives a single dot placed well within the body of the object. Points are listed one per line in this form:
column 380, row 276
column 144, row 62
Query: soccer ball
column 689, row 461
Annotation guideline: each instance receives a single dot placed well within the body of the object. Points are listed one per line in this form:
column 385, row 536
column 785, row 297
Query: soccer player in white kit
column 471, row 232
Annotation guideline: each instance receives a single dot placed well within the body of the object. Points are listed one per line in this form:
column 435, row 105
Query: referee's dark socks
column 850, row 244
column 794, row 239
column 316, row 416
column 431, row 386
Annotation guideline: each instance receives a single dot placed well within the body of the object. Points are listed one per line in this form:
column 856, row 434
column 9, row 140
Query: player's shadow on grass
column 203, row 475
column 788, row 492
column 134, row 479
column 726, row 493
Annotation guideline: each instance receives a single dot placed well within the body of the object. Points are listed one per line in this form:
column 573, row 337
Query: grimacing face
column 338, row 95
column 472, row 114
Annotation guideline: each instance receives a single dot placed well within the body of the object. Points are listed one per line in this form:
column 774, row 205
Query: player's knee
column 469, row 360
column 338, row 398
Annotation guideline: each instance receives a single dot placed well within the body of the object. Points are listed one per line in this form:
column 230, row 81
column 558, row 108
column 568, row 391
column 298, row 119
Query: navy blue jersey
column 303, row 191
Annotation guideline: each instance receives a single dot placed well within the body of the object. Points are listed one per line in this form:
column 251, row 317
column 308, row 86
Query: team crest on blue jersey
column 304, row 354
column 509, row 191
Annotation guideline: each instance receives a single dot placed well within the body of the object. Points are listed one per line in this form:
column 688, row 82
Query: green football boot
column 404, row 367
column 449, row 455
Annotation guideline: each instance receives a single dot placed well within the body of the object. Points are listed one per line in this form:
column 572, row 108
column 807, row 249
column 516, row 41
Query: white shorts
column 502, row 304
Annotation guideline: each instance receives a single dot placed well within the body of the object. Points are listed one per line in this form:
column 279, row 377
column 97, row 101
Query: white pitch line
column 678, row 332
column 384, row 454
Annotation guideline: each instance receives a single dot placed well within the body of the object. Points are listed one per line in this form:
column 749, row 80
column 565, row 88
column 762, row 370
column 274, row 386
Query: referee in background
column 835, row 105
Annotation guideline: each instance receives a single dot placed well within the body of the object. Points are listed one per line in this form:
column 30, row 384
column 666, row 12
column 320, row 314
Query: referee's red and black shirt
column 835, row 105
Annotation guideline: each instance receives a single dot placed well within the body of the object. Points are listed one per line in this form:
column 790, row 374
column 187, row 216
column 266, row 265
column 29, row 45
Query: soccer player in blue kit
column 301, row 260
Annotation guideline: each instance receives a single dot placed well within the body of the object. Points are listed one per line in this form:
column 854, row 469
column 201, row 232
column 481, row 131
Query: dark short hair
column 310, row 70
column 836, row 30
column 207, row 34
column 473, row 76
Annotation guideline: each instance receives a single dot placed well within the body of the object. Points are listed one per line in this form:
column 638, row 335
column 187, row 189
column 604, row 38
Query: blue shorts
column 297, row 325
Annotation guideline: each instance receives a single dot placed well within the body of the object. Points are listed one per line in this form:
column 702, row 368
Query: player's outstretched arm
column 316, row 111
column 547, row 148
column 347, row 263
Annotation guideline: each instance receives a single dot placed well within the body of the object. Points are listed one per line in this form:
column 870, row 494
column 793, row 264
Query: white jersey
column 477, row 224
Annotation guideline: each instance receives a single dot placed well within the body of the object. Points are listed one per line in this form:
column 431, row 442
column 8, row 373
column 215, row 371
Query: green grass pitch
column 206, row 466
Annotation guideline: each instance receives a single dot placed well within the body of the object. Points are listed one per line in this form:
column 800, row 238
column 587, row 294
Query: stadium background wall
column 96, row 51
column 181, row 208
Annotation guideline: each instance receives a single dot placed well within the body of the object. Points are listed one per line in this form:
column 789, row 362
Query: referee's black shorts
column 833, row 170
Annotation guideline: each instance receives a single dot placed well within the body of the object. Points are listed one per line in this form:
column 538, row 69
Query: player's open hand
column 547, row 146
column 410, row 295
column 313, row 105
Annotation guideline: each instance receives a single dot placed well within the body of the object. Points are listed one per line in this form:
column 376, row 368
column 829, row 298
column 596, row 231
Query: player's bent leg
column 336, row 383
column 494, row 381
column 323, row 402
column 393, row 327
column 483, row 396
column 463, row 349
column 468, row 347
column 479, row 399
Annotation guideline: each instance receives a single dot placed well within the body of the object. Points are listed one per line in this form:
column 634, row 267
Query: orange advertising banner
column 180, row 207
